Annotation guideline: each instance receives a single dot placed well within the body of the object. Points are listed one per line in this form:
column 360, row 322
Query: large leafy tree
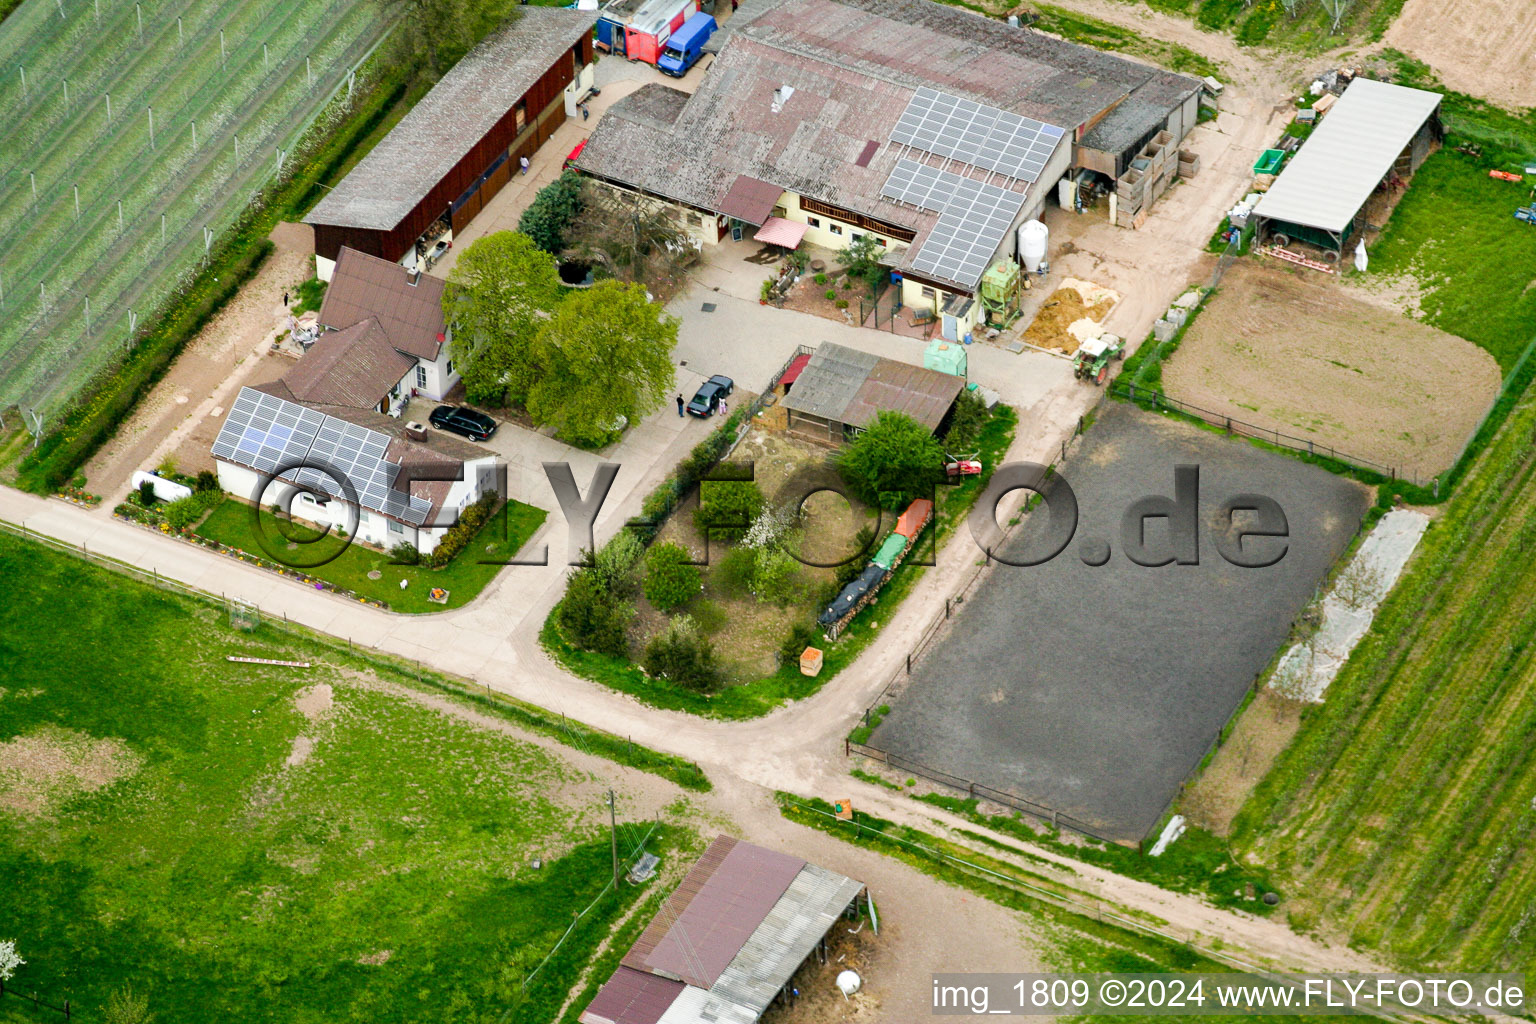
column 500, row 293
column 605, row 352
column 894, row 461
column 550, row 215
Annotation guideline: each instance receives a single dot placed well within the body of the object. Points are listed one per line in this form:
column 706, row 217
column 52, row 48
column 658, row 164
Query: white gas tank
column 1034, row 238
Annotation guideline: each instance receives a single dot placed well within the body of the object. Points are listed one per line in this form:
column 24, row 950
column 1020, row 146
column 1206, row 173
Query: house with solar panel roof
column 326, row 440
column 934, row 130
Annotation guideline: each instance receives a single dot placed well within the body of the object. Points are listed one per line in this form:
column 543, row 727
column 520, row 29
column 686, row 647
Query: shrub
column 207, row 480
column 670, row 581
column 965, row 423
column 618, row 562
column 894, row 461
column 801, row 636
column 820, row 279
column 553, row 210
column 167, row 467
column 727, row 508
column 463, row 531
column 842, row 303
column 684, row 655
column 146, row 493
column 182, row 513
column 775, row 576
column 592, row 618
column 709, row 616
column 734, row 571
column 404, row 553
column 831, row 294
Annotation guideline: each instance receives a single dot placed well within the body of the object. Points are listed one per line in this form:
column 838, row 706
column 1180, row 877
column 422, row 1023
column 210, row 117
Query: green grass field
column 237, row 844
column 464, row 578
column 1455, row 233
column 1403, row 814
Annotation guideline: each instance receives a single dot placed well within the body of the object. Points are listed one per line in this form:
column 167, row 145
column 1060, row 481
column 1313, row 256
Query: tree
column 437, row 33
column 500, row 292
column 632, row 238
column 775, row 576
column 670, row 582
column 894, row 461
column 618, row 562
column 593, row 617
column 552, row 212
column 683, row 654
column 9, row 959
column 605, row 353
column 727, row 508
column 965, row 423
column 861, row 258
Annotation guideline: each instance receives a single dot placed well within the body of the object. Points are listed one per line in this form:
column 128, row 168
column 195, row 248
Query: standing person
column 522, row 162
column 285, row 299
column 679, row 405
column 585, row 113
column 724, row 407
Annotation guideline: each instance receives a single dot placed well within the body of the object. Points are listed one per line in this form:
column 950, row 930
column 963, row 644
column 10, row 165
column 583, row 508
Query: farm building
column 337, row 465
column 840, row 389
column 407, row 309
column 459, row 145
column 727, row 941
column 933, row 130
column 1374, row 133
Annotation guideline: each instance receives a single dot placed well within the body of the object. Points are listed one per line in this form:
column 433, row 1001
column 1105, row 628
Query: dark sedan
column 707, row 399
column 476, row 426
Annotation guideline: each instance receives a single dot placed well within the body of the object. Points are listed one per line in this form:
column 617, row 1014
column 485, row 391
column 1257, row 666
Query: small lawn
column 1454, row 232
column 233, row 525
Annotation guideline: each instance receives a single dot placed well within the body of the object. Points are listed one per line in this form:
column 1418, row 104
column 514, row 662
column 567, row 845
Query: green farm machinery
column 1093, row 357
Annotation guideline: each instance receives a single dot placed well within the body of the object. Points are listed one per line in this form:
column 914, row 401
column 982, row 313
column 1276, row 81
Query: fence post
column 909, row 663
column 946, row 609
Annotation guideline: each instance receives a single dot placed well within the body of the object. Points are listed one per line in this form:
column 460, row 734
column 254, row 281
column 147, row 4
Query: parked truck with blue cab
column 686, row 45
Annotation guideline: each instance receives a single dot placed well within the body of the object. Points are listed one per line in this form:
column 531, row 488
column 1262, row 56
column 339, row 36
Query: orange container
column 810, row 661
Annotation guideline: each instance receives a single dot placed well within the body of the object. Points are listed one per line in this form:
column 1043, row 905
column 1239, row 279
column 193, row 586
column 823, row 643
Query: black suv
column 476, row 426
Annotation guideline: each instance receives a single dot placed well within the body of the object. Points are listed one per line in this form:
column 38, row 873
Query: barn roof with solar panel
column 934, row 128
column 325, row 452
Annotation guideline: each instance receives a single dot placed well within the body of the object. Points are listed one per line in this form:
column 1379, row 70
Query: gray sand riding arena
column 1093, row 691
column 1291, row 349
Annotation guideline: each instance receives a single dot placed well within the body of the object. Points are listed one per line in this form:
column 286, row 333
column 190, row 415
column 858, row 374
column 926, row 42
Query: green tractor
column 1093, row 358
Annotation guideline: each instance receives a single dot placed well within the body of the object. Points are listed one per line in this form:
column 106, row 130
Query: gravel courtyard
column 1095, row 690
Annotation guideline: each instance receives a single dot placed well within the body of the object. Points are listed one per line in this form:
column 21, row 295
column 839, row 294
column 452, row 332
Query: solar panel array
column 266, row 432
column 973, row 218
column 974, row 133
column 926, row 188
column 969, row 231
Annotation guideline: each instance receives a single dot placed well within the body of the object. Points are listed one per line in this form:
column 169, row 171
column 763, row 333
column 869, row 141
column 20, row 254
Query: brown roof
column 713, row 911
column 449, row 121
column 918, row 392
column 631, row 997
column 750, row 199
column 357, row 366
column 365, row 286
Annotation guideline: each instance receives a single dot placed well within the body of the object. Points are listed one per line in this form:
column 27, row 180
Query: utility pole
column 613, row 834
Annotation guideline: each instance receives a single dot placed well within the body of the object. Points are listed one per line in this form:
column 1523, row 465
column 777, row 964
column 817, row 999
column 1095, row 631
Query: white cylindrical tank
column 1033, row 239
column 848, row 982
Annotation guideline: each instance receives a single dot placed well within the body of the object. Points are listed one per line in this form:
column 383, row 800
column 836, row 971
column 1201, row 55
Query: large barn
column 461, row 143
column 931, row 129
column 1376, row 131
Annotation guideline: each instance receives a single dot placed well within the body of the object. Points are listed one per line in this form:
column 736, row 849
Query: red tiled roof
column 713, row 911
column 355, row 367
column 750, row 199
column 631, row 997
column 365, row 286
